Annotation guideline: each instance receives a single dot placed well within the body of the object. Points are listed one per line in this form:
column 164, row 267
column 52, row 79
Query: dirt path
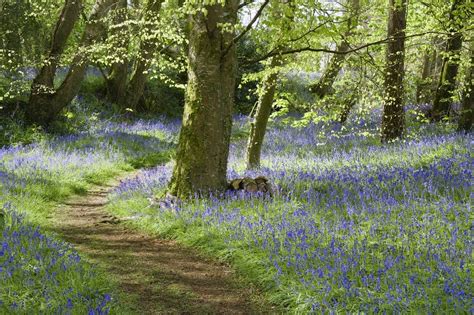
column 158, row 276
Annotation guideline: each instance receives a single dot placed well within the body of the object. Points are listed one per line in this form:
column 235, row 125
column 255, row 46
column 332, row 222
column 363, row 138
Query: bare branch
column 331, row 51
column 247, row 28
column 252, row 22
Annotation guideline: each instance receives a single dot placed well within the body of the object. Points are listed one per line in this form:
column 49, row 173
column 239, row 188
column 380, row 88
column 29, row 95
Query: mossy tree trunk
column 45, row 105
column 349, row 103
column 118, row 75
column 203, row 148
column 263, row 110
column 324, row 86
column 393, row 119
column 139, row 77
column 422, row 88
column 467, row 104
column 43, row 82
column 258, row 126
column 447, row 80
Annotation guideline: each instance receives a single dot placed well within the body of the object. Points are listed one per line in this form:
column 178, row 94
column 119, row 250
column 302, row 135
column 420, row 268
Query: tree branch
column 252, row 22
column 331, row 51
column 247, row 28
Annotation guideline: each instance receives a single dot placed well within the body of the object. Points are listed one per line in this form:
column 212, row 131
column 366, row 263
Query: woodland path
column 156, row 276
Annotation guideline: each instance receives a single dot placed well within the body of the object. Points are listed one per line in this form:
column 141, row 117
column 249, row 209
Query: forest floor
column 156, row 276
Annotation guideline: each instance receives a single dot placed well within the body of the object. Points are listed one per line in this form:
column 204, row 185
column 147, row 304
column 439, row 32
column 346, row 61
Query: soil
column 156, row 276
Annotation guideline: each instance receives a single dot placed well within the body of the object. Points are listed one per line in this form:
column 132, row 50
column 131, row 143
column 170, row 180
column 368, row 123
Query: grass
column 38, row 272
column 42, row 274
column 353, row 226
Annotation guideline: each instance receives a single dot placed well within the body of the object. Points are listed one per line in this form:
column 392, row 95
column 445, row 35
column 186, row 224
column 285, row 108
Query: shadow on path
column 159, row 276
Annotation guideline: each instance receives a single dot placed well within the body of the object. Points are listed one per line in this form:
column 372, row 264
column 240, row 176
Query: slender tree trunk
column 43, row 82
column 203, row 148
column 346, row 110
column 447, row 81
column 393, row 120
column 260, row 119
column 45, row 106
column 467, row 105
column 148, row 47
column 324, row 86
column 421, row 88
column 118, row 77
column 258, row 126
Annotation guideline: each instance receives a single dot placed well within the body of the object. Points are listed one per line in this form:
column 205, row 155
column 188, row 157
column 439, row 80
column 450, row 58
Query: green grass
column 407, row 201
column 33, row 181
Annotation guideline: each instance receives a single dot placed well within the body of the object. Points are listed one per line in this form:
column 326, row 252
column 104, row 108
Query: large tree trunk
column 148, row 46
column 118, row 77
column 447, row 81
column 203, row 148
column 260, row 119
column 393, row 120
column 45, row 106
column 467, row 103
column 324, row 86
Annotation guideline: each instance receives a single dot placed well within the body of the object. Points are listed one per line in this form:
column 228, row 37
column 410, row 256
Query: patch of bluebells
column 353, row 226
column 39, row 273
column 31, row 170
column 147, row 182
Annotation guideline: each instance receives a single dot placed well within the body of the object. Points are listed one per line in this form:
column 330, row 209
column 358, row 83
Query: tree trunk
column 424, row 84
column 258, row 126
column 203, row 148
column 43, row 82
column 260, row 119
column 148, row 46
column 324, row 86
column 467, row 105
column 346, row 110
column 447, row 81
column 118, row 77
column 45, row 106
column 393, row 120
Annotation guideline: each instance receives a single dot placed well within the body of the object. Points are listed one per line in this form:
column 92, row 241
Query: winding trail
column 156, row 276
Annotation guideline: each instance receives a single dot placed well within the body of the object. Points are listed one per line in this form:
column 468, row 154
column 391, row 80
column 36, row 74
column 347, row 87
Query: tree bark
column 346, row 109
column 258, row 126
column 424, row 84
column 324, row 86
column 467, row 104
column 43, row 82
column 203, row 148
column 118, row 77
column 447, row 81
column 148, row 46
column 45, row 106
column 393, row 119
column 260, row 119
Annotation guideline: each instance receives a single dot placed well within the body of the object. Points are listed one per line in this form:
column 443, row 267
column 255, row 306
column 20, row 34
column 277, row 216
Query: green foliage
column 354, row 201
column 161, row 98
column 13, row 133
